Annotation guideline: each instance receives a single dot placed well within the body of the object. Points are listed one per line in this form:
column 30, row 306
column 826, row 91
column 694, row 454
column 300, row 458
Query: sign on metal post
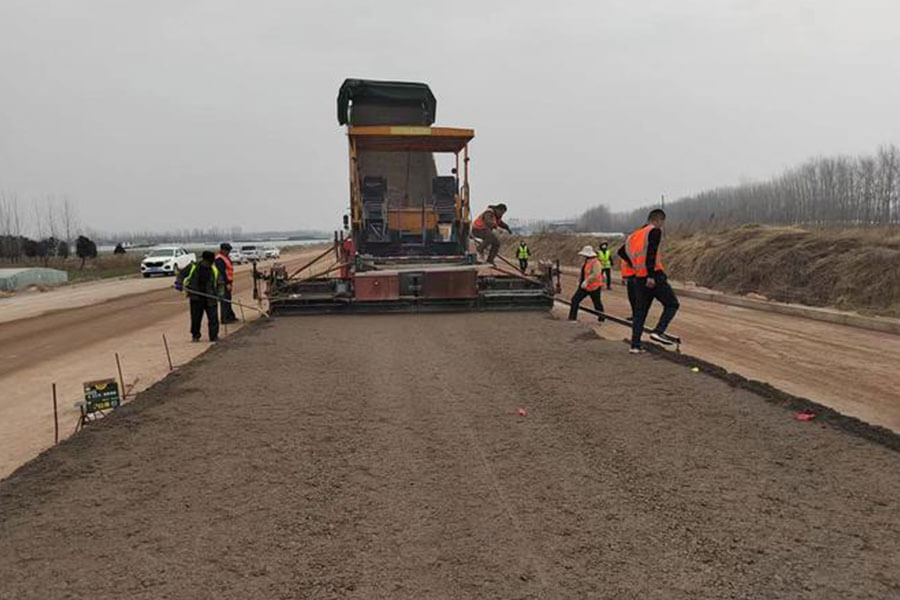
column 102, row 394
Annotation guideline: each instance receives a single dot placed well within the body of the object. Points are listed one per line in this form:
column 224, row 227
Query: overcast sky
column 151, row 115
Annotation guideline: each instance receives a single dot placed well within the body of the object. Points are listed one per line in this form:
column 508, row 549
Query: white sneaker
column 636, row 351
column 662, row 339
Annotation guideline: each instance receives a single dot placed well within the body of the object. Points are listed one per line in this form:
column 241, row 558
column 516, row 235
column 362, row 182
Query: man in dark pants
column 226, row 271
column 604, row 255
column 590, row 284
column 523, row 253
column 644, row 257
column 203, row 278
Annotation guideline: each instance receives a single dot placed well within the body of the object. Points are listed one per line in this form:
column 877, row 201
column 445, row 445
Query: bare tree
column 70, row 218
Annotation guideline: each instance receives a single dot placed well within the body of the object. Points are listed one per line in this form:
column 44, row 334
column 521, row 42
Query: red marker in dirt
column 523, row 412
column 805, row 415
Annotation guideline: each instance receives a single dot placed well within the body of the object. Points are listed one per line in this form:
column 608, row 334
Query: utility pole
column 663, row 201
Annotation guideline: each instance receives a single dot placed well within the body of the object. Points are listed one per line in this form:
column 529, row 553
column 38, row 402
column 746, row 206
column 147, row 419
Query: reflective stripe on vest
column 593, row 277
column 605, row 257
column 186, row 282
column 636, row 248
column 229, row 267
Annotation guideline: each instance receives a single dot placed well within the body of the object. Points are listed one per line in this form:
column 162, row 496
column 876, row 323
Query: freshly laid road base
column 502, row 455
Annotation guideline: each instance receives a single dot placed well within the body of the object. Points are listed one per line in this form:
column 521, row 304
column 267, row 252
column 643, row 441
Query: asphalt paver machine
column 405, row 244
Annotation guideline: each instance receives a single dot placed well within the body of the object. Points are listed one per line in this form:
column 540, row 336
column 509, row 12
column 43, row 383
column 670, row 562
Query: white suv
column 166, row 260
column 272, row 252
column 252, row 253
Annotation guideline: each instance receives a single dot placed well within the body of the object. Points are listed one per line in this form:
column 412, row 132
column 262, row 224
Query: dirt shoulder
column 850, row 269
column 77, row 344
column 848, row 369
column 385, row 456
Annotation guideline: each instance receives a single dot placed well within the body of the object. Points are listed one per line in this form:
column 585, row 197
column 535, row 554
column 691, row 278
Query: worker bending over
column 523, row 253
column 642, row 262
column 604, row 255
column 204, row 286
column 226, row 271
column 590, row 284
column 484, row 227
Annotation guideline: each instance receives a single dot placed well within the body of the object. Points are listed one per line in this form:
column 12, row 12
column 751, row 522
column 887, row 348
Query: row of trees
column 15, row 248
column 42, row 229
column 842, row 190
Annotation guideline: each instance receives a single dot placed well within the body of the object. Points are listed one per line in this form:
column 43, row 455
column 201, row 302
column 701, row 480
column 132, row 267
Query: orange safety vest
column 480, row 224
column 593, row 274
column 636, row 248
column 229, row 267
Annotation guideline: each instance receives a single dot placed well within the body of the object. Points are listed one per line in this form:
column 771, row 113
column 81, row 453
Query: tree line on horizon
column 858, row 191
column 48, row 230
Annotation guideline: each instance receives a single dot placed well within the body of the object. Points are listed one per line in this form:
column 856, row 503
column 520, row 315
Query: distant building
column 560, row 226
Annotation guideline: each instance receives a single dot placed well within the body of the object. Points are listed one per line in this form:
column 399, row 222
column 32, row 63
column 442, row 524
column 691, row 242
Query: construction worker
column 644, row 257
column 226, row 270
column 604, row 255
column 204, row 286
column 590, row 283
column 483, row 227
column 523, row 253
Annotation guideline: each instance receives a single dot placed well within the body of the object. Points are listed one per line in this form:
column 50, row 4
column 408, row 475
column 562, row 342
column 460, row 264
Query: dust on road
column 384, row 456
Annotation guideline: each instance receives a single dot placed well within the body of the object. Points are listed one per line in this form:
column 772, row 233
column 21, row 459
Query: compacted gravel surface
column 450, row 456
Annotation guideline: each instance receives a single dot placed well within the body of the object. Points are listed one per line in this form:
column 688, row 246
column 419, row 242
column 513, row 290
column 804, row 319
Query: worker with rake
column 590, row 284
column 204, row 286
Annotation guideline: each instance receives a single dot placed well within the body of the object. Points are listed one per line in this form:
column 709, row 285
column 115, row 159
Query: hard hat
column 587, row 251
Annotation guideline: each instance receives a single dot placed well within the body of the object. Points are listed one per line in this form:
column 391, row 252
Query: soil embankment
column 850, row 269
column 257, row 473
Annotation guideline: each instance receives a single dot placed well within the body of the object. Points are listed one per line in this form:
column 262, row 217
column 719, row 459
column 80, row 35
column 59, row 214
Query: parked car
column 166, row 260
column 237, row 257
column 251, row 252
column 272, row 252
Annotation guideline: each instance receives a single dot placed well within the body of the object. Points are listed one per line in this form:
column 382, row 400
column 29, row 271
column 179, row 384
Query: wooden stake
column 55, row 418
column 168, row 356
column 121, row 379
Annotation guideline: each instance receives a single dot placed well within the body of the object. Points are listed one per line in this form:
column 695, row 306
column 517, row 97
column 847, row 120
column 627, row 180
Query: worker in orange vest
column 590, row 283
column 226, row 269
column 642, row 261
column 483, row 227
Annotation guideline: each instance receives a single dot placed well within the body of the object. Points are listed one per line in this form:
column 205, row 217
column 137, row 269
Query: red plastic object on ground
column 523, row 412
column 805, row 415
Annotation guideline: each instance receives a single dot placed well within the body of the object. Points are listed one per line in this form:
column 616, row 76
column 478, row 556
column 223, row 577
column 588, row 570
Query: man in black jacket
column 643, row 256
column 204, row 286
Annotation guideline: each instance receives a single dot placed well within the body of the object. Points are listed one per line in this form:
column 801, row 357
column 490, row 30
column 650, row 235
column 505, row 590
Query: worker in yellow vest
column 604, row 255
column 203, row 285
column 642, row 260
column 523, row 253
column 590, row 283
